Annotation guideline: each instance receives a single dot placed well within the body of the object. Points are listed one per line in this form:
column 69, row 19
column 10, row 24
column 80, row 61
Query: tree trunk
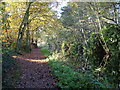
column 22, row 29
column 27, row 46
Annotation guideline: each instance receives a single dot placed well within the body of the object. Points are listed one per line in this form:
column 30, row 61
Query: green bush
column 68, row 78
column 45, row 51
column 111, row 35
column 10, row 75
column 7, row 60
column 104, row 50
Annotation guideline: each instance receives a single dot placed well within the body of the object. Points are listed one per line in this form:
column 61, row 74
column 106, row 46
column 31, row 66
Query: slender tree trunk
column 22, row 29
column 28, row 48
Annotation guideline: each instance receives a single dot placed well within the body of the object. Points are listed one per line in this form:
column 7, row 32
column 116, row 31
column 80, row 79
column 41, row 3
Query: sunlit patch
column 98, row 70
column 14, row 56
column 34, row 60
column 31, row 60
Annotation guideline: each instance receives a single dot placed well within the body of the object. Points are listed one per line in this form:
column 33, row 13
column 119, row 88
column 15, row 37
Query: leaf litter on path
column 35, row 72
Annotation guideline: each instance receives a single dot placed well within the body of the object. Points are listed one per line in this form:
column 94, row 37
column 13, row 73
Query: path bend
column 35, row 72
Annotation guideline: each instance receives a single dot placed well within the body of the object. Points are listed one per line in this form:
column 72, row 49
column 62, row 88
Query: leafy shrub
column 95, row 51
column 9, row 66
column 104, row 49
column 45, row 51
column 111, row 35
column 7, row 60
column 68, row 78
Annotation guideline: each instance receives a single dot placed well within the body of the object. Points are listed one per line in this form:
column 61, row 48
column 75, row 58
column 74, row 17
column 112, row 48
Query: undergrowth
column 68, row 78
column 10, row 72
column 46, row 52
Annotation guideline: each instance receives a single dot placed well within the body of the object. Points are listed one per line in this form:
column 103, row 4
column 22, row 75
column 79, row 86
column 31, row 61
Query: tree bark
column 28, row 48
column 22, row 28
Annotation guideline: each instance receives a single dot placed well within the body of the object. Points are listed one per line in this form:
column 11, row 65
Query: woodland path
column 35, row 72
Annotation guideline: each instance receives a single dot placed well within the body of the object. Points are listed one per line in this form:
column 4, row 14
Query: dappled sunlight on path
column 35, row 72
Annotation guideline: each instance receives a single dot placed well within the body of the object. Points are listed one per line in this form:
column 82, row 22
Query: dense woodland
column 82, row 45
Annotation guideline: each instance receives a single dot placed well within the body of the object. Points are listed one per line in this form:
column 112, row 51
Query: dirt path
column 35, row 71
